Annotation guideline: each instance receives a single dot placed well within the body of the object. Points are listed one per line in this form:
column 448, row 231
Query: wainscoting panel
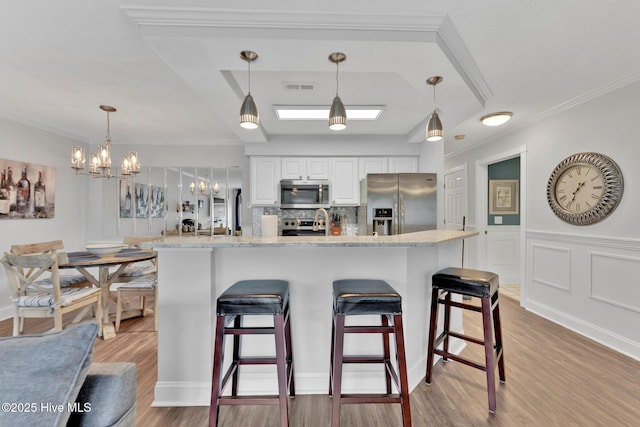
column 621, row 289
column 588, row 284
column 551, row 266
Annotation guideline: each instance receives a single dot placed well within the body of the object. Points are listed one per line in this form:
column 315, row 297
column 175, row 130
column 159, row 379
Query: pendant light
column 248, row 111
column 337, row 113
column 434, row 126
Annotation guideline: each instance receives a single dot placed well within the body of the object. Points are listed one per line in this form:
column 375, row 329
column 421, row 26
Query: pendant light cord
column 337, row 82
column 249, row 65
column 434, row 97
column 108, row 128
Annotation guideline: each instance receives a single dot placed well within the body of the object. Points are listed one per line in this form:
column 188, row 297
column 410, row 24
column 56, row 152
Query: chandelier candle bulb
column 93, row 166
column 77, row 158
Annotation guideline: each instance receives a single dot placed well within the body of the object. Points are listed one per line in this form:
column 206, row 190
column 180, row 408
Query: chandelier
column 100, row 162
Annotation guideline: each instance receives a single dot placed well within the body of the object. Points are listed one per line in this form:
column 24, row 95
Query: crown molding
column 435, row 28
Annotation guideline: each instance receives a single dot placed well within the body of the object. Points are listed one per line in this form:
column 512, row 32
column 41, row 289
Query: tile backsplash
column 347, row 215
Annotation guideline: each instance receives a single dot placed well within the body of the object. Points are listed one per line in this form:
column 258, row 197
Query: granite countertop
column 420, row 238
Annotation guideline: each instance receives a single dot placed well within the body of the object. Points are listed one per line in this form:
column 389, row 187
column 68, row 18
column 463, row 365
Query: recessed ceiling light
column 496, row 119
column 458, row 137
column 321, row 112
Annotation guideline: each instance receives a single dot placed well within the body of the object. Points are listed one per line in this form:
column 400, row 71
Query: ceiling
column 172, row 68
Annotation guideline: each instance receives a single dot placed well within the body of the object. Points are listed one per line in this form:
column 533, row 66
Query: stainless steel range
column 302, row 227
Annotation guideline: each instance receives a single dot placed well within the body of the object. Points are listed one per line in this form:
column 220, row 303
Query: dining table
column 83, row 261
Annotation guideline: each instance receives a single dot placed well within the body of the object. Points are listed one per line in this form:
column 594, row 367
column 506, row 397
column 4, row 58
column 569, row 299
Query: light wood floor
column 554, row 378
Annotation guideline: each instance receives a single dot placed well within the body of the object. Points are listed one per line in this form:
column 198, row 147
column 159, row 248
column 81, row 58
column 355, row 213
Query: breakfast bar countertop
column 420, row 238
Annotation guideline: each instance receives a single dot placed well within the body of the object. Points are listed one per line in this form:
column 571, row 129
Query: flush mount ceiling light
column 337, row 113
column 496, row 119
column 320, row 112
column 248, row 111
column 434, row 126
column 100, row 162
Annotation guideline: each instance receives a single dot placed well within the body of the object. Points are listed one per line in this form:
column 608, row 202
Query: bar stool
column 249, row 298
column 362, row 297
column 470, row 283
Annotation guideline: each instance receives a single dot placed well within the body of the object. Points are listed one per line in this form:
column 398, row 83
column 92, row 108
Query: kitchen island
column 193, row 271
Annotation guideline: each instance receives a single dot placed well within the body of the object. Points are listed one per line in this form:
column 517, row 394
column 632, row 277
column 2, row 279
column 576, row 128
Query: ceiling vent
column 299, row 86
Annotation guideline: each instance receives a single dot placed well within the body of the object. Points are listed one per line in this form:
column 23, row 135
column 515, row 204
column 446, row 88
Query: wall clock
column 585, row 188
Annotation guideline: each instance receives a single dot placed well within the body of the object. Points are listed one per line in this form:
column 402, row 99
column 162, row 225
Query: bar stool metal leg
column 338, row 347
column 402, row 368
column 281, row 358
column 433, row 325
column 387, row 353
column 216, row 380
column 488, row 353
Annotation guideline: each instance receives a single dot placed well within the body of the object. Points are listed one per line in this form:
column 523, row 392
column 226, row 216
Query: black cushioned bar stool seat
column 368, row 297
column 251, row 298
column 471, row 283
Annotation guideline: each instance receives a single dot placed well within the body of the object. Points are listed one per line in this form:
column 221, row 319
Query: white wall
column 80, row 212
column 27, row 144
column 595, row 291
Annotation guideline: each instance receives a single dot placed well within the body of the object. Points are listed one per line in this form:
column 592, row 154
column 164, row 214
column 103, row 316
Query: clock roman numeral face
column 585, row 188
column 579, row 188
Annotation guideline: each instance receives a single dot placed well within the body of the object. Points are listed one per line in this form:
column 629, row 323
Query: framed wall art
column 503, row 197
column 27, row 190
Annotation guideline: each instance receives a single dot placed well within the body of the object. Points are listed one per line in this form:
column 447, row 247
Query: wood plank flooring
column 554, row 378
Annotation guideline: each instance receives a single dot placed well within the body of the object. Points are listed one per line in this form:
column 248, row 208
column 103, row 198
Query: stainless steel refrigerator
column 401, row 203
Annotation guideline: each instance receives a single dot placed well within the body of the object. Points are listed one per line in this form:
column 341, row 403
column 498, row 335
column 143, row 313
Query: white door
column 454, row 193
column 500, row 246
column 503, row 252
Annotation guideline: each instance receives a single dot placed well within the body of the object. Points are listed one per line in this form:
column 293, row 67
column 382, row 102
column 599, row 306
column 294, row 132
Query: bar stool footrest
column 370, row 398
column 250, row 400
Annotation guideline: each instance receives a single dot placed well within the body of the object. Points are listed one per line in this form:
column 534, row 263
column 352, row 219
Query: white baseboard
column 589, row 330
column 369, row 379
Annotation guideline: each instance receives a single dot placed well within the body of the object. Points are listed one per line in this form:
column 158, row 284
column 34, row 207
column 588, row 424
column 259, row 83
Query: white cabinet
column 368, row 165
column 305, row 168
column 265, row 181
column 345, row 185
column 403, row 164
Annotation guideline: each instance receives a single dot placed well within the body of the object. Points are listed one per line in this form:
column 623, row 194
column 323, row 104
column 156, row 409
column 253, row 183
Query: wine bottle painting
column 27, row 190
column 141, row 199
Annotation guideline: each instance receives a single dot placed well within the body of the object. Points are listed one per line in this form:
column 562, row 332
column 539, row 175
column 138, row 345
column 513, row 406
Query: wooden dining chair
column 137, row 280
column 136, row 270
column 32, row 299
column 51, row 247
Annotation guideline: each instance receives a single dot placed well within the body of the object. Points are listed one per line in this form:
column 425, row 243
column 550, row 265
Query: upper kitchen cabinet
column 367, row 165
column 403, row 165
column 305, row 168
column 265, row 180
column 345, row 185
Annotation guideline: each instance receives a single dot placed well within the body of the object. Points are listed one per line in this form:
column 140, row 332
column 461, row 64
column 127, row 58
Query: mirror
column 180, row 201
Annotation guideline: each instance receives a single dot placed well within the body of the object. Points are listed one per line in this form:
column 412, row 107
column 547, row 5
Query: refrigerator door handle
column 395, row 214
column 401, row 219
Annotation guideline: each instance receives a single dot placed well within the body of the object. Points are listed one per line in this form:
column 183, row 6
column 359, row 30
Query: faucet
column 316, row 226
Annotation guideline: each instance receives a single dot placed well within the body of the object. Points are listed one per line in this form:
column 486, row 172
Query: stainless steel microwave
column 300, row 194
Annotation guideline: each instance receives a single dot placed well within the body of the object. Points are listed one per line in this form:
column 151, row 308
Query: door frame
column 482, row 195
